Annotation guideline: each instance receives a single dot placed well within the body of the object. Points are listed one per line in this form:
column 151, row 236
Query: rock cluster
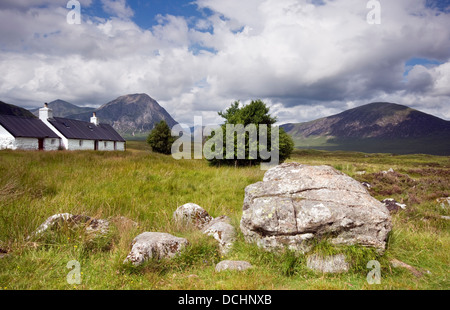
column 163, row 245
column 294, row 205
column 192, row 215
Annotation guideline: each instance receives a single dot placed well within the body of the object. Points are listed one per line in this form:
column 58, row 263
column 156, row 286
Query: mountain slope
column 131, row 114
column 9, row 109
column 375, row 127
column 63, row 108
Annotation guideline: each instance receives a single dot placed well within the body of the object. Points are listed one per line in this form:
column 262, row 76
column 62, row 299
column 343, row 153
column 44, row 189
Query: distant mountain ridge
column 10, row 109
column 63, row 108
column 375, row 127
column 130, row 115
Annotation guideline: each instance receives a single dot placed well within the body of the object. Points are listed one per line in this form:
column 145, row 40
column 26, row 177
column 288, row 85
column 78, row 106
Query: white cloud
column 117, row 8
column 307, row 61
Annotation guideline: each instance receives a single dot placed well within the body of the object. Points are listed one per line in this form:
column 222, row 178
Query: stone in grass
column 221, row 229
column 328, row 264
column 444, row 202
column 192, row 214
column 233, row 265
column 392, row 205
column 92, row 226
column 155, row 245
column 399, row 264
column 3, row 253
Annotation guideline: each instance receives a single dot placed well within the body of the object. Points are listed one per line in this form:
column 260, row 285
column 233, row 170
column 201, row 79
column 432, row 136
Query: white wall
column 106, row 145
column 74, row 145
column 6, row 139
column 27, row 144
column 120, row 146
column 51, row 144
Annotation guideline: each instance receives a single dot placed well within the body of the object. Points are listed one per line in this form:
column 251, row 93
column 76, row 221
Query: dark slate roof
column 23, row 127
column 75, row 129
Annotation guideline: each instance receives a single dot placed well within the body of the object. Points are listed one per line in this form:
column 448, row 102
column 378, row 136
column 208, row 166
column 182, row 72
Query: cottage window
column 53, row 141
column 81, row 142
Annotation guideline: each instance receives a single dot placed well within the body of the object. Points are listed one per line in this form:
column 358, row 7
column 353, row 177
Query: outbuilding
column 22, row 133
column 80, row 135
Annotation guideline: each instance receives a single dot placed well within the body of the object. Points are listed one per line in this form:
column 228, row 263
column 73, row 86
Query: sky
column 306, row 59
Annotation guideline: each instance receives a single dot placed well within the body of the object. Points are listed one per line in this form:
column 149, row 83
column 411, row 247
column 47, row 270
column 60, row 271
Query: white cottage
column 22, row 133
column 80, row 135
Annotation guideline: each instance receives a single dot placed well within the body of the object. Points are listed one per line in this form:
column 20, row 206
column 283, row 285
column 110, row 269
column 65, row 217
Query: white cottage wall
column 120, row 146
column 6, row 139
column 27, row 144
column 52, row 144
column 75, row 145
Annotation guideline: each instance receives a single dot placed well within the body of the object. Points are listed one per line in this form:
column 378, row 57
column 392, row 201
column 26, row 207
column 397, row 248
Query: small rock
column 154, row 245
column 366, row 185
column 360, row 172
column 445, row 217
column 124, row 222
column 193, row 276
column 221, row 229
column 399, row 264
column 389, row 171
column 444, row 202
column 329, row 264
column 392, row 205
column 192, row 214
column 233, row 265
column 3, row 253
column 91, row 225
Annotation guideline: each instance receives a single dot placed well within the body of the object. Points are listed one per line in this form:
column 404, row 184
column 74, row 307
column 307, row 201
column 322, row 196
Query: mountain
column 130, row 115
column 63, row 108
column 9, row 109
column 379, row 127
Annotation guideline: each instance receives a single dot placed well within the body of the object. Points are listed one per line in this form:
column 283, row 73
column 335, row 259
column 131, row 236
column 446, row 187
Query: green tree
column 256, row 113
column 160, row 138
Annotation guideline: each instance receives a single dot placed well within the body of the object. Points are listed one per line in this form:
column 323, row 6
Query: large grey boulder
column 295, row 204
column 156, row 245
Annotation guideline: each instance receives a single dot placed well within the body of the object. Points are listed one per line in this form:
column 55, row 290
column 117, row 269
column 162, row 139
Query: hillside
column 378, row 127
column 131, row 115
column 9, row 109
column 63, row 108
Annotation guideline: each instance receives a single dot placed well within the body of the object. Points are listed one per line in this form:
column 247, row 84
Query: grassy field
column 429, row 145
column 147, row 188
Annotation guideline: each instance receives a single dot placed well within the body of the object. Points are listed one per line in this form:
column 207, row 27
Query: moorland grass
column 147, row 188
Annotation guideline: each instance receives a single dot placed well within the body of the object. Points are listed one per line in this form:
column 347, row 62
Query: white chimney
column 45, row 113
column 94, row 120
